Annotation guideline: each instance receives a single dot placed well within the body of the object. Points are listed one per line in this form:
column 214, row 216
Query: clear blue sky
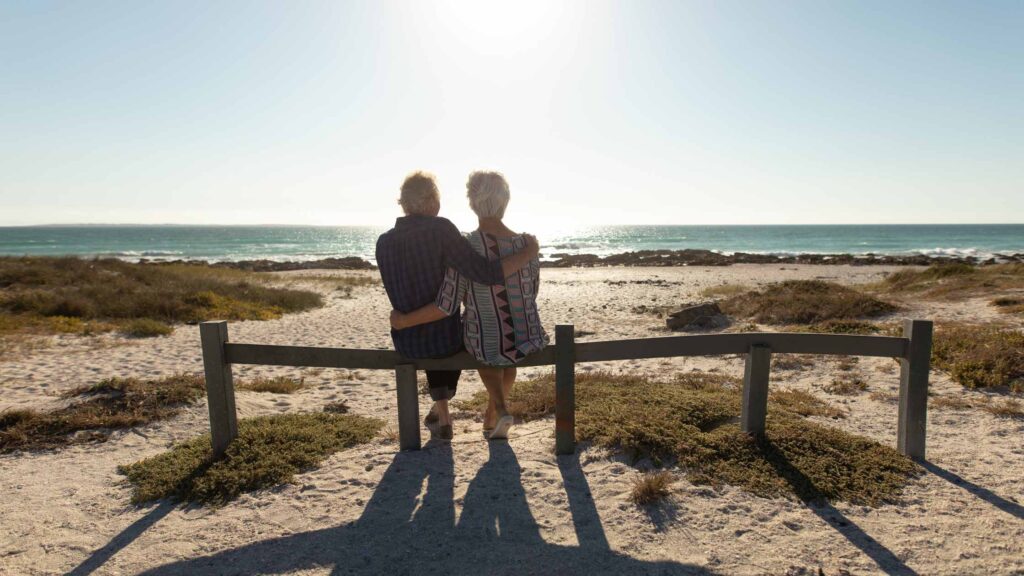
column 597, row 112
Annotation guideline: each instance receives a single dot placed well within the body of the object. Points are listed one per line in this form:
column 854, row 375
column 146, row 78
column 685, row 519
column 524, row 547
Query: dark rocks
column 691, row 257
column 706, row 316
column 346, row 263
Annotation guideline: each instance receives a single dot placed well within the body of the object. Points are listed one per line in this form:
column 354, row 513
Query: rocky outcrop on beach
column 346, row 263
column 691, row 257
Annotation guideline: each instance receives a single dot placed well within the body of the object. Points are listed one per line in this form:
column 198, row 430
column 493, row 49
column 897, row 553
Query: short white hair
column 488, row 194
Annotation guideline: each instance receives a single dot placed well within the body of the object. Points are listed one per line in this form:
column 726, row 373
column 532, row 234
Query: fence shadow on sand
column 402, row 532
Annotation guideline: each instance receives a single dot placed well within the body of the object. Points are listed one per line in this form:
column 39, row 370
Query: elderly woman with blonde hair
column 501, row 325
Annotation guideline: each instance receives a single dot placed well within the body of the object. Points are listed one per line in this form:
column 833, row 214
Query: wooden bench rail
column 610, row 350
column 913, row 349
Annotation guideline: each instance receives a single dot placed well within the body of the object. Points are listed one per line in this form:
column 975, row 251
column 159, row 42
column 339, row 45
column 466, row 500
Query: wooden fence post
column 755, row 390
column 565, row 393
column 220, row 389
column 913, row 407
column 408, row 407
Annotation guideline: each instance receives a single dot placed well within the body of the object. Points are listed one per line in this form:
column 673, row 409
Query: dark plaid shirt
column 413, row 257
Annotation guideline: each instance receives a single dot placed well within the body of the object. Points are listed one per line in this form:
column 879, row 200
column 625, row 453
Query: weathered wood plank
column 220, row 389
column 697, row 345
column 408, row 407
column 565, row 389
column 913, row 403
column 755, row 390
column 355, row 359
column 717, row 344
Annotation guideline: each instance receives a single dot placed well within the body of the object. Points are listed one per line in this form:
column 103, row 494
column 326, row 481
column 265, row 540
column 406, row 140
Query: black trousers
column 443, row 383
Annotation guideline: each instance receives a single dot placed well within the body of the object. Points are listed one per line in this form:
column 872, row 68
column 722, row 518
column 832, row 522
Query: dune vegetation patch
column 847, row 327
column 97, row 410
column 980, row 356
column 146, row 328
column 342, row 285
column 724, row 290
column 1009, row 304
column 944, row 281
column 275, row 385
column 73, row 295
column 804, row 302
column 268, row 451
column 692, row 420
column 651, row 487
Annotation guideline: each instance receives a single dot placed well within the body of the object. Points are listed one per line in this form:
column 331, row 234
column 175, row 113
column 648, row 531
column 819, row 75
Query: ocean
column 219, row 243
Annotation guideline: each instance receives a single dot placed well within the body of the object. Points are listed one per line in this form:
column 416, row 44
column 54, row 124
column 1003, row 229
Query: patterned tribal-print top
column 500, row 325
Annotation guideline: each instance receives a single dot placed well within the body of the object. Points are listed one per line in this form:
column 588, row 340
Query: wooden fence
column 913, row 349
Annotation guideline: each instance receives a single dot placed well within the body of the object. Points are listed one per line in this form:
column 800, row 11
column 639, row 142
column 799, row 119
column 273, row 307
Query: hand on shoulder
column 531, row 243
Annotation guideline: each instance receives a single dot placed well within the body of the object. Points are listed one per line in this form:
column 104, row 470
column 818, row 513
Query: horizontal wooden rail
column 913, row 349
column 610, row 350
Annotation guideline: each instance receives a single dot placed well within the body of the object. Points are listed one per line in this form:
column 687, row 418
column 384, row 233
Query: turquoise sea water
column 313, row 242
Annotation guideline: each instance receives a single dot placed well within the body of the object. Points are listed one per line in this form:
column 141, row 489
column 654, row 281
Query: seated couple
column 429, row 268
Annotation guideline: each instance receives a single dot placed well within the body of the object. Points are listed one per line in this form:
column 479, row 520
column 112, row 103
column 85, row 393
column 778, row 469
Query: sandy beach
column 474, row 507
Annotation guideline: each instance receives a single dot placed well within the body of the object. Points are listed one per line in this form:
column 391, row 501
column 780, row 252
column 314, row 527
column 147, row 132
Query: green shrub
column 269, row 450
column 146, row 328
column 275, row 385
column 955, row 280
column 980, row 356
column 118, row 292
column 693, row 420
column 804, row 302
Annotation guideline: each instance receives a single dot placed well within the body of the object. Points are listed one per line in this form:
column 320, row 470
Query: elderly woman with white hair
column 501, row 325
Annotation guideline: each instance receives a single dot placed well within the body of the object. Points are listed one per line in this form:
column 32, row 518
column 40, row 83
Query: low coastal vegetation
column 268, row 451
column 692, row 420
column 1009, row 304
column 275, row 385
column 343, row 286
column 651, row 487
column 805, row 302
column 1003, row 407
column 96, row 410
column 71, row 295
column 945, row 281
column 980, row 356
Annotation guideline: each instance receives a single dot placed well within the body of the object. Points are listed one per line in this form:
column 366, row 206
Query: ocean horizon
column 308, row 242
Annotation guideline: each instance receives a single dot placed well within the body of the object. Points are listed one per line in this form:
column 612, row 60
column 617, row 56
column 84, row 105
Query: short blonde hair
column 418, row 192
column 488, row 194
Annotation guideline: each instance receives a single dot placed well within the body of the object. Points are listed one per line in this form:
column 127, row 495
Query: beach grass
column 807, row 302
column 275, row 385
column 692, row 420
column 342, row 285
column 98, row 409
column 268, row 451
column 73, row 295
column 980, row 356
column 651, row 487
column 1009, row 304
column 724, row 290
column 948, row 281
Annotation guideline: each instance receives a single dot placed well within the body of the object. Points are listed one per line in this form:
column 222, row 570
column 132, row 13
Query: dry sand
column 479, row 508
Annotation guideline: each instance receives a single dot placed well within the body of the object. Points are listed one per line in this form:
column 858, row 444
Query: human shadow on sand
column 401, row 533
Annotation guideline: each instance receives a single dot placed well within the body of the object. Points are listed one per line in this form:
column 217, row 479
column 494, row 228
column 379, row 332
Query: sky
column 630, row 112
